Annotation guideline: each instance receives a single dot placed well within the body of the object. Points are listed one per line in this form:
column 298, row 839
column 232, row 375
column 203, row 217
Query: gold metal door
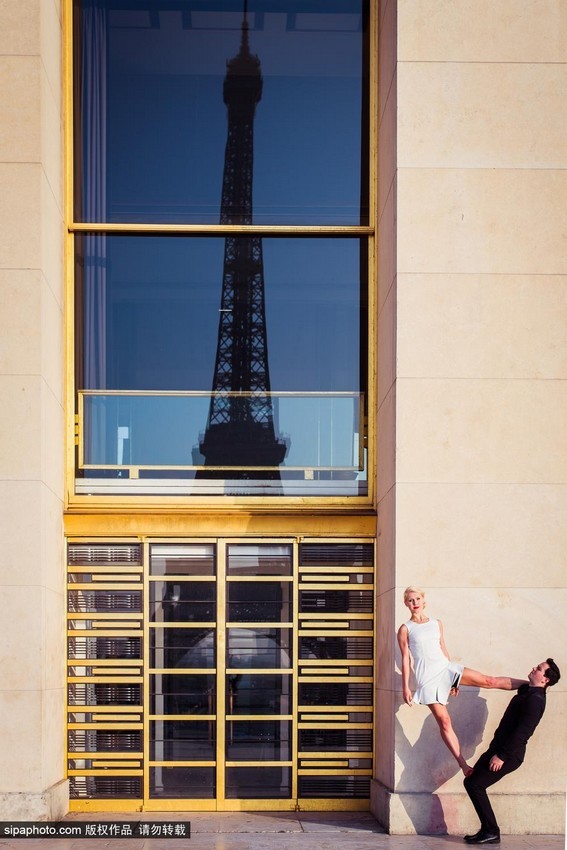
column 220, row 674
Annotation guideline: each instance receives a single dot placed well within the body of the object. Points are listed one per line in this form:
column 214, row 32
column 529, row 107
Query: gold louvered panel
column 105, row 670
column 335, row 670
column 221, row 672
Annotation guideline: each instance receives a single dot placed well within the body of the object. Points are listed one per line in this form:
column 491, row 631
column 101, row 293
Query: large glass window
column 151, row 121
column 214, row 357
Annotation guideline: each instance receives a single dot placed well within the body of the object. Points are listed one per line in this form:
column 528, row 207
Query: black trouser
column 482, row 778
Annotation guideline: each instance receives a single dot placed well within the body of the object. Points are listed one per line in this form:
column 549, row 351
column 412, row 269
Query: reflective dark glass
column 263, row 560
column 102, row 601
column 268, row 601
column 148, row 319
column 149, row 322
column 336, row 601
column 258, row 740
column 259, row 648
column 182, row 559
column 178, row 694
column 83, row 693
column 104, row 647
column 182, row 740
column 339, row 740
column 171, row 648
column 258, row 694
column 335, row 647
column 183, row 601
column 250, row 783
column 152, row 109
column 187, row 783
column 335, row 693
column 357, row 787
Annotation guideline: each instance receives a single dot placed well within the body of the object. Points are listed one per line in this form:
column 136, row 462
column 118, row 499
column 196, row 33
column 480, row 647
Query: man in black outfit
column 508, row 747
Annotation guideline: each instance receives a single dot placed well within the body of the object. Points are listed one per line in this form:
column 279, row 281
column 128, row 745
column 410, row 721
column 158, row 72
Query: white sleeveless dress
column 435, row 674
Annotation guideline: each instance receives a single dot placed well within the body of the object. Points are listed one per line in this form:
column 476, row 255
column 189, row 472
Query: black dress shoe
column 483, row 836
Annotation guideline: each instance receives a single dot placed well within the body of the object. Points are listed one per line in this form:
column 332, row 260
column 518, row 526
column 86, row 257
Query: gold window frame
column 137, row 764
column 216, row 504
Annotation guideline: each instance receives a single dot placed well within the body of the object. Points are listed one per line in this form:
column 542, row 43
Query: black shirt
column 518, row 723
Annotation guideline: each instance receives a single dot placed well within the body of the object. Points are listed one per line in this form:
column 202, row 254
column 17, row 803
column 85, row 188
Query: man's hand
column 495, row 764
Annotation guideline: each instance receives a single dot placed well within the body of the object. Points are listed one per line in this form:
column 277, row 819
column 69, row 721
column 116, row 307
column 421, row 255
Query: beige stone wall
column 31, row 400
column 385, row 696
column 473, row 318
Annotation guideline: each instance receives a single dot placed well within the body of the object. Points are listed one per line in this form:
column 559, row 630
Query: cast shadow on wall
column 428, row 764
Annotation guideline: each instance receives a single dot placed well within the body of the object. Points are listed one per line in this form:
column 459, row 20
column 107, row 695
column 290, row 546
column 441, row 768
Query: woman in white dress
column 421, row 640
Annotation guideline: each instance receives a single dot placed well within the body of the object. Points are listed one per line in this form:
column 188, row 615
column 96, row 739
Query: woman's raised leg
column 481, row 680
column 448, row 735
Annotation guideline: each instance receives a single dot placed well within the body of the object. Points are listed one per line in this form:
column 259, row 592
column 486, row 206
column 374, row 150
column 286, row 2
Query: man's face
column 537, row 677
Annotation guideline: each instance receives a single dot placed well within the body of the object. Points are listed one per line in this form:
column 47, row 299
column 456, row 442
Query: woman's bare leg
column 448, row 735
column 480, row 680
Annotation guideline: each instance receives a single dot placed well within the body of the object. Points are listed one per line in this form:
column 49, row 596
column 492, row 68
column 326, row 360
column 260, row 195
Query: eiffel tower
column 240, row 429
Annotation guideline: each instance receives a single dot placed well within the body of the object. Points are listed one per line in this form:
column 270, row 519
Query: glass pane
column 256, row 694
column 183, row 393
column 105, row 787
column 86, row 693
column 335, row 693
column 357, row 787
column 252, row 602
column 189, row 783
column 102, row 601
column 171, row 648
column 103, row 741
column 183, row 601
column 150, row 315
column 179, row 740
column 258, row 740
column 259, row 648
column 335, row 647
column 104, row 647
column 263, row 560
column 155, row 103
column 336, row 554
column 336, row 601
column 335, row 740
column 195, row 560
column 177, row 694
column 250, row 783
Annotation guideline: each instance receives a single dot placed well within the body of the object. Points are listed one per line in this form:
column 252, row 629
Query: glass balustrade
column 145, row 442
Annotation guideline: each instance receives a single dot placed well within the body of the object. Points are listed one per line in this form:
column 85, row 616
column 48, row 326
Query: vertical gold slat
column 221, row 548
column 69, row 241
column 145, row 668
column 374, row 659
column 295, row 664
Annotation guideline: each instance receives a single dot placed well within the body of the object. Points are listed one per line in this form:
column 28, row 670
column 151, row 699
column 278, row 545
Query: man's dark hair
column 552, row 673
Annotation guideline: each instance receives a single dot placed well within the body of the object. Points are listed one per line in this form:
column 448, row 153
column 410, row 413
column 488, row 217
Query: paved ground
column 267, row 831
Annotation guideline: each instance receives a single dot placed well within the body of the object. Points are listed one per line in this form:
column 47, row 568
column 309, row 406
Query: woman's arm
column 404, row 648
column 442, row 641
column 454, row 691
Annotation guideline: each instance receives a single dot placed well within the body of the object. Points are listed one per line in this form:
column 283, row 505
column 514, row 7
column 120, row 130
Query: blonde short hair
column 413, row 589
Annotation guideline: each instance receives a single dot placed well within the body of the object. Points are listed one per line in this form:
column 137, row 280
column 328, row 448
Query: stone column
column 475, row 471
column 32, row 625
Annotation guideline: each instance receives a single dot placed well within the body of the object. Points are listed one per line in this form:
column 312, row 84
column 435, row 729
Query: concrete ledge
column 438, row 814
column 51, row 804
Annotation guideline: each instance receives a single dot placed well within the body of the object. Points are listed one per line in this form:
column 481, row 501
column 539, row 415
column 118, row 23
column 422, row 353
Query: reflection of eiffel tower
column 240, row 429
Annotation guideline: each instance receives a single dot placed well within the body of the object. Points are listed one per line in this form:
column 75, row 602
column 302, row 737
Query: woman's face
column 415, row 602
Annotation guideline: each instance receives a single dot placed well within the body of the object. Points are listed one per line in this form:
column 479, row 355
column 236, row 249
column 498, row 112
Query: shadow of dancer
column 426, row 766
